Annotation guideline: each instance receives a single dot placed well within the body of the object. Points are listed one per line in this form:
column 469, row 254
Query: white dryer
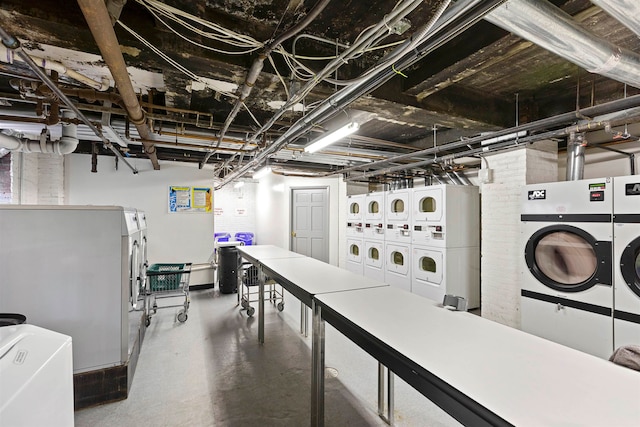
column 398, row 265
column 374, row 220
column 374, row 251
column 626, row 256
column 398, row 215
column 567, row 293
column 355, row 216
column 131, row 228
column 446, row 216
column 440, row 271
column 144, row 257
column 355, row 257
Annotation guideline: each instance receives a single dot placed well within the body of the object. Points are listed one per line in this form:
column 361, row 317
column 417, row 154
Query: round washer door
column 630, row 265
column 568, row 259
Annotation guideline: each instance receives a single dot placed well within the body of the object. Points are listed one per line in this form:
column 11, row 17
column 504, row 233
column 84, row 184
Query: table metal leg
column 306, row 321
column 317, row 368
column 302, row 314
column 388, row 418
column 261, row 281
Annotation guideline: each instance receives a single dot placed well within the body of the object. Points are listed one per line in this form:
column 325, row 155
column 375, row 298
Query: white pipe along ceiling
column 233, row 88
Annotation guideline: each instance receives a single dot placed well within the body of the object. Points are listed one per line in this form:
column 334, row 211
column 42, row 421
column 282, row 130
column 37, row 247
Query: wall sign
column 189, row 199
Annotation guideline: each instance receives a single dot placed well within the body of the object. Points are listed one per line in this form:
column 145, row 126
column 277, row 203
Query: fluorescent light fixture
column 262, row 172
column 239, row 184
column 332, row 137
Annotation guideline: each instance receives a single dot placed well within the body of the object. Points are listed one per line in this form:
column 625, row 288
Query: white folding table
column 254, row 254
column 477, row 370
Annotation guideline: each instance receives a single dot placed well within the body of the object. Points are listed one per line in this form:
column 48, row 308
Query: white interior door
column 310, row 222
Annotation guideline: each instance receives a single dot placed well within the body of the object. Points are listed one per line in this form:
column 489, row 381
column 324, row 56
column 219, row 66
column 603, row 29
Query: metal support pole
column 317, row 367
column 302, row 313
column 261, row 280
column 388, row 418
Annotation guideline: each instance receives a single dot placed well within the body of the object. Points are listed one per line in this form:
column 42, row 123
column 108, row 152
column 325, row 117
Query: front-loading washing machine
column 374, row 259
column 374, row 220
column 446, row 216
column 626, row 256
column 355, row 216
column 437, row 272
column 355, row 255
column 398, row 265
column 567, row 292
column 398, row 215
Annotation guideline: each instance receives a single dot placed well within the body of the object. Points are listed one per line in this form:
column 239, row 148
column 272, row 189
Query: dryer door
column 630, row 265
column 428, row 265
column 428, row 205
column 568, row 259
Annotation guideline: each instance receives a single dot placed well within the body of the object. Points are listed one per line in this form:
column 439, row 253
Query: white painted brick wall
column 50, row 179
column 35, row 179
column 501, row 240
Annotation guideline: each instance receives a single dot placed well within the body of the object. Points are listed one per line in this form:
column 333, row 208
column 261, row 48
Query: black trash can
column 229, row 262
column 11, row 319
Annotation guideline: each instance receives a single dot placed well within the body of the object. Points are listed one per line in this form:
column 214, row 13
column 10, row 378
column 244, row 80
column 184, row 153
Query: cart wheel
column 280, row 306
column 155, row 308
column 250, row 311
column 147, row 321
column 243, row 303
column 182, row 316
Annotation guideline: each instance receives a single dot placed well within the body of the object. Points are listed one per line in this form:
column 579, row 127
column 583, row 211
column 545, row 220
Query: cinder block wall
column 501, row 247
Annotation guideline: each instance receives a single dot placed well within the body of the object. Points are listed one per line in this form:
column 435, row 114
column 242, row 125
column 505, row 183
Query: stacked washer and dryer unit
column 446, row 242
column 355, row 234
column 423, row 240
column 375, row 237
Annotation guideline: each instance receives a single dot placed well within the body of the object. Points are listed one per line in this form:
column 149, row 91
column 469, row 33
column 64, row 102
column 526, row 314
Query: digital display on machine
column 596, row 196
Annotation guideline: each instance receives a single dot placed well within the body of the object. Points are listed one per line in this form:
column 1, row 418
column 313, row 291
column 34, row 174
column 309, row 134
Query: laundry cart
column 250, row 291
column 167, row 281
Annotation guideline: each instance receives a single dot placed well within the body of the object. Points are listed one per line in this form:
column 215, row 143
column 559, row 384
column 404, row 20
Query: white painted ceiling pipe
column 68, row 142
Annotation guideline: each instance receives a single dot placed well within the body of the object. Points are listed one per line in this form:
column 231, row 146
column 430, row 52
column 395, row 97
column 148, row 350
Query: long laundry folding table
column 302, row 276
column 254, row 254
column 479, row 371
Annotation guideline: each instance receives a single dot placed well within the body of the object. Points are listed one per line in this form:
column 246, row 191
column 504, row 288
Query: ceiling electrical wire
column 218, row 33
column 172, row 62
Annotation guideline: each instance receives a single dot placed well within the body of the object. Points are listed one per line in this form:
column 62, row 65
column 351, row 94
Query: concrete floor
column 211, row 371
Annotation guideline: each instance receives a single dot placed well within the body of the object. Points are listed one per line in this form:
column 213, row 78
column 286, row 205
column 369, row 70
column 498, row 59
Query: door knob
column 293, row 234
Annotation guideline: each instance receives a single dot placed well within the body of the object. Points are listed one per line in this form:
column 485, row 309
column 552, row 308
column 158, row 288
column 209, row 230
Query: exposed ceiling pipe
column 556, row 31
column 455, row 20
column 12, row 43
column 625, row 11
column 538, row 125
column 97, row 17
column 254, row 72
column 560, row 133
column 462, row 177
column 576, row 146
column 403, row 8
column 8, row 56
column 15, row 141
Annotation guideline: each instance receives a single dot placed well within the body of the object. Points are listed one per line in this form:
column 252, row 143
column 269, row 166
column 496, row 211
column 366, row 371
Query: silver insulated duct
column 576, row 146
column 625, row 11
column 556, row 31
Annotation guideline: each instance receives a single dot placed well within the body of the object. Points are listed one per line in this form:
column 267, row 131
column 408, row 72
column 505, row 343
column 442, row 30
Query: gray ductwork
column 576, row 145
column 625, row 11
column 556, row 31
column 15, row 141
